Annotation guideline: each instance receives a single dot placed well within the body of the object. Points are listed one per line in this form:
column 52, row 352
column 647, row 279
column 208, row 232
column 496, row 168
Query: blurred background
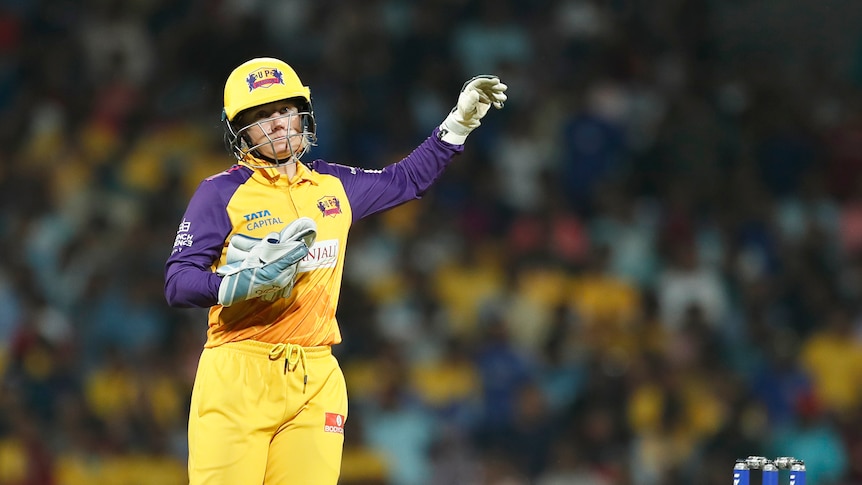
column 647, row 265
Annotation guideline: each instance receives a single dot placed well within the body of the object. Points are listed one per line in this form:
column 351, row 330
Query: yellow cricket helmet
column 258, row 82
column 261, row 81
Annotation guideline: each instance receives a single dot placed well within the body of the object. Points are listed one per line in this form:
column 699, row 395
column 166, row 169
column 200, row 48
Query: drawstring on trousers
column 293, row 356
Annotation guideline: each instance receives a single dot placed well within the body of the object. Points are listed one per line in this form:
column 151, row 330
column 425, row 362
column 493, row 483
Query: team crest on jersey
column 329, row 206
column 334, row 423
column 264, row 78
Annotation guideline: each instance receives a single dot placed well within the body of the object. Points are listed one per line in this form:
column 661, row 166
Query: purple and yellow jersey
column 256, row 202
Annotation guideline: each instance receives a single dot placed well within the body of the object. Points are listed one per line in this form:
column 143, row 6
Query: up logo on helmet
column 334, row 423
column 264, row 78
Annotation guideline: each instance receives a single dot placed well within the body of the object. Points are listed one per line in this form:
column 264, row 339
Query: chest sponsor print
column 322, row 254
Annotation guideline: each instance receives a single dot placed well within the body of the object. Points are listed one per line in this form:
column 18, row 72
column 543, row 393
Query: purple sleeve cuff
column 192, row 287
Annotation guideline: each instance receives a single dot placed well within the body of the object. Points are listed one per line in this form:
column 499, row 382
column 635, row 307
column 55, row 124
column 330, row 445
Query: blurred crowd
column 647, row 265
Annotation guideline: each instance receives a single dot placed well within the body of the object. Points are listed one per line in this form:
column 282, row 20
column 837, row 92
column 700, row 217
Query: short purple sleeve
column 189, row 279
column 372, row 191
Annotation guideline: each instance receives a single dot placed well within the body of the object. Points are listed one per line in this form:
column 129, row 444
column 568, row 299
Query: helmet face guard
column 238, row 141
column 258, row 82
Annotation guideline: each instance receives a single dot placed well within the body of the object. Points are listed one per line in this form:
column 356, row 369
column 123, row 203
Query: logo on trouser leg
column 334, row 423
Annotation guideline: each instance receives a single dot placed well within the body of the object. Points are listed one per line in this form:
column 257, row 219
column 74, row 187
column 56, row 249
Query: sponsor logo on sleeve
column 184, row 237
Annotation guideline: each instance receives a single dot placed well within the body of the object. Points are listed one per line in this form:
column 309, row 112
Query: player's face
column 275, row 129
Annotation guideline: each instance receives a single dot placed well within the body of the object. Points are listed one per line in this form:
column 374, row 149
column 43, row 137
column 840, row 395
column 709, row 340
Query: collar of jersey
column 270, row 175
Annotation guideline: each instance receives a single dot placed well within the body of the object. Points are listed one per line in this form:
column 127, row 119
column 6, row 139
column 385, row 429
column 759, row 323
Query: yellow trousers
column 267, row 414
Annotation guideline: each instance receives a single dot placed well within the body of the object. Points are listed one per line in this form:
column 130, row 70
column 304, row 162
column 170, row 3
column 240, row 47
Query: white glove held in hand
column 265, row 268
column 477, row 96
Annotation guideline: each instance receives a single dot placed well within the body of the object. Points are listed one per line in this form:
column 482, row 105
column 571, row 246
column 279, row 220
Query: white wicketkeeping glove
column 265, row 268
column 477, row 96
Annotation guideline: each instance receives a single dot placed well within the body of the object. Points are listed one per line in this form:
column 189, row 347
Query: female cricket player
column 262, row 245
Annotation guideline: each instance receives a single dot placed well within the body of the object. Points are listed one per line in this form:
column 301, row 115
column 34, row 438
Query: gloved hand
column 302, row 229
column 477, row 96
column 265, row 268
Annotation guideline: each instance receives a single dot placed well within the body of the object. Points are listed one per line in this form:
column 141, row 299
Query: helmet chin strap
column 277, row 162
